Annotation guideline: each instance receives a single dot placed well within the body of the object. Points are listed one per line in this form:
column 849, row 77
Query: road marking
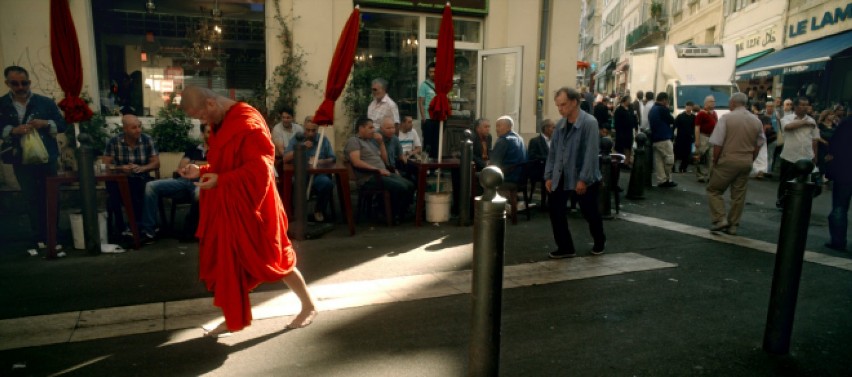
column 767, row 247
column 184, row 314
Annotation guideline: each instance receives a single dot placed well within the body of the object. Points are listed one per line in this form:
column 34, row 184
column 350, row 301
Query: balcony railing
column 650, row 27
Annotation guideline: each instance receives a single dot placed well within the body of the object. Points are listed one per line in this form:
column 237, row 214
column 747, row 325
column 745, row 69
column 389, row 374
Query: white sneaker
column 42, row 245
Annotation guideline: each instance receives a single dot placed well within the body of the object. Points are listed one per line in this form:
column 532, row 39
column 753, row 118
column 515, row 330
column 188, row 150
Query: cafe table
column 336, row 169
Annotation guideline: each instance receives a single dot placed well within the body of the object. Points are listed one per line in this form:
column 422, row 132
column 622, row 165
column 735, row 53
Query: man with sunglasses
column 22, row 112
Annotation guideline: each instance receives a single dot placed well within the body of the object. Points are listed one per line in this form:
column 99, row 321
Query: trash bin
column 77, row 232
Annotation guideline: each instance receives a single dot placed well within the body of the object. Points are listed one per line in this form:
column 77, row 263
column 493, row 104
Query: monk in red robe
column 242, row 225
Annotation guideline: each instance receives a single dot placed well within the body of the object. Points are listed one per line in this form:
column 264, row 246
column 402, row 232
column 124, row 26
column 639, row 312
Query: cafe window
column 145, row 56
column 399, row 46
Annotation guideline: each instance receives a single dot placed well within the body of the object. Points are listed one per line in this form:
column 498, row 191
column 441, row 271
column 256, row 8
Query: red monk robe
column 242, row 225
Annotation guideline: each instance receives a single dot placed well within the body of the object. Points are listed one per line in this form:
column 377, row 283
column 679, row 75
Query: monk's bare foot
column 305, row 318
column 220, row 331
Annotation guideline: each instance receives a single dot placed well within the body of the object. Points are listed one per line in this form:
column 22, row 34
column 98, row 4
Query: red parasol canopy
column 439, row 109
column 65, row 54
column 338, row 71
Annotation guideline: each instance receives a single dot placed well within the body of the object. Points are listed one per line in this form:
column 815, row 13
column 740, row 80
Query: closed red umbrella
column 338, row 73
column 65, row 55
column 445, row 62
column 341, row 65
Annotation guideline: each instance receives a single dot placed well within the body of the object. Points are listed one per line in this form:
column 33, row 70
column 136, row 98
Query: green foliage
column 97, row 128
column 357, row 96
column 171, row 129
column 656, row 9
column 287, row 76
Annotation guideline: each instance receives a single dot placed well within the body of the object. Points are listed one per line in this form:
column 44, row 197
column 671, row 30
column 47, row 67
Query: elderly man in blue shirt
column 509, row 150
column 573, row 168
column 322, row 185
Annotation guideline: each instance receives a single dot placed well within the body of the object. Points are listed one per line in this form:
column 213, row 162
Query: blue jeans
column 175, row 188
column 838, row 220
column 322, row 188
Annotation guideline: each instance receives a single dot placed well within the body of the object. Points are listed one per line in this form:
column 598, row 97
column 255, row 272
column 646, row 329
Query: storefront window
column 465, row 31
column 144, row 58
column 390, row 47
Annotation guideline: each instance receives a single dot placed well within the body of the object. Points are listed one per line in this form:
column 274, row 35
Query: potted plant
column 171, row 135
column 656, row 9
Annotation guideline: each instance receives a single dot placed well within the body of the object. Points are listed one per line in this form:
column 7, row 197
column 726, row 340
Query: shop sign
column 759, row 40
column 828, row 18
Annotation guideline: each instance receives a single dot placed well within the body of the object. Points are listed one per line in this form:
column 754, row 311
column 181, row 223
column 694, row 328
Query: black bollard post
column 604, row 203
column 649, row 156
column 489, row 230
column 465, row 176
column 614, row 175
column 636, row 187
column 300, row 187
column 86, row 172
column 789, row 257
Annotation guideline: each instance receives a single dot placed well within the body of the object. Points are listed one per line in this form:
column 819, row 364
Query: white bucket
column 437, row 207
column 77, row 232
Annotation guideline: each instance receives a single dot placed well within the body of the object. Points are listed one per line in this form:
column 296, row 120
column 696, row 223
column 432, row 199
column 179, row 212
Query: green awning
column 749, row 58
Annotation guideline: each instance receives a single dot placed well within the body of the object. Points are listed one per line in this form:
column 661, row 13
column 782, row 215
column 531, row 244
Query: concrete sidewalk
column 701, row 315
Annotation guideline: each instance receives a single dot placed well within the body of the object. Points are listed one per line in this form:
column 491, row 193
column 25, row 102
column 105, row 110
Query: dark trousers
column 788, row 172
column 114, row 202
column 430, row 137
column 838, row 219
column 32, row 179
column 588, row 207
column 401, row 191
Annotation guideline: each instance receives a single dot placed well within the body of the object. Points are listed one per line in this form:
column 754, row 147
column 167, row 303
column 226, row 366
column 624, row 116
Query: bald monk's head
column 205, row 105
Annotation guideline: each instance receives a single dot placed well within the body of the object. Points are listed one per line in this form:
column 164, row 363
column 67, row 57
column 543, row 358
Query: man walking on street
column 736, row 139
column 840, row 173
column 800, row 143
column 661, row 122
column 573, row 168
column 705, row 121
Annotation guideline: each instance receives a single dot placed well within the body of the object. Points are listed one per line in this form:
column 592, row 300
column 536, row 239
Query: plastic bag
column 34, row 151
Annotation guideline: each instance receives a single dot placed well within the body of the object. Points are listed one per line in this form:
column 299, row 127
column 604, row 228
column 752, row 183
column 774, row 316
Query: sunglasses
column 18, row 83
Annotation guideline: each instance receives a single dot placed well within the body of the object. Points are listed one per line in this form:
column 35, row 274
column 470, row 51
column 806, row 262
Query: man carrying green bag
column 29, row 124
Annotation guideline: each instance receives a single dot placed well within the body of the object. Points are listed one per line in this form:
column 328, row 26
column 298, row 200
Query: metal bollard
column 489, row 229
column 636, row 187
column 300, row 187
column 649, row 155
column 615, row 174
column 788, row 260
column 466, row 176
column 86, row 172
column 604, row 203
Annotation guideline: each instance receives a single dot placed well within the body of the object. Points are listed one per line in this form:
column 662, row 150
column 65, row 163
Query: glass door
column 499, row 83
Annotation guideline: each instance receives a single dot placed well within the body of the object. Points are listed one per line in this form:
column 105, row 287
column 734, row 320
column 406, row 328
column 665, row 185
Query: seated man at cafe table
column 396, row 159
column 481, row 143
column 322, row 184
column 367, row 153
column 509, row 151
column 135, row 154
column 175, row 188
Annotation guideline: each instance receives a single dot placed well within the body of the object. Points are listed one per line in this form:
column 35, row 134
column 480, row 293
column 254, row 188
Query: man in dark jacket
column 840, row 173
column 601, row 112
column 23, row 112
column 660, row 121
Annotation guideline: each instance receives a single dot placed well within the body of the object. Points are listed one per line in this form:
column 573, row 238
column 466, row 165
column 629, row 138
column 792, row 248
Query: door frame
column 518, row 52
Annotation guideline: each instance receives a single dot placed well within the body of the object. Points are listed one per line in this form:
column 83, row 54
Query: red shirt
column 706, row 121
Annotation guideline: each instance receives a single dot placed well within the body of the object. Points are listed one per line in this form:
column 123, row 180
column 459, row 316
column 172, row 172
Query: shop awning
column 750, row 58
column 608, row 66
column 809, row 56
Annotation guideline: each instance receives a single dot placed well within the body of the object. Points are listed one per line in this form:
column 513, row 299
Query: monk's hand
column 208, row 181
column 548, row 184
column 190, row 171
column 581, row 188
